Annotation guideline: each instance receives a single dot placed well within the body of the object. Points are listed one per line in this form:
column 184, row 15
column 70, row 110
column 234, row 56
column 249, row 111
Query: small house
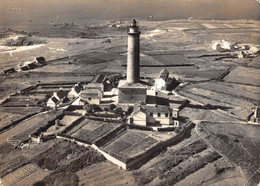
column 8, row 71
column 75, row 91
column 52, row 102
column 98, row 82
column 60, row 95
column 153, row 114
column 91, row 96
column 32, row 65
column 40, row 60
column 24, row 68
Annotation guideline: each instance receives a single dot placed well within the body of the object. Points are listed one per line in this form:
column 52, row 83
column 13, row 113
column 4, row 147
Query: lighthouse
column 133, row 54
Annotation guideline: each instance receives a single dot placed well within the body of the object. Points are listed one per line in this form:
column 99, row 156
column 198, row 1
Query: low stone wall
column 111, row 158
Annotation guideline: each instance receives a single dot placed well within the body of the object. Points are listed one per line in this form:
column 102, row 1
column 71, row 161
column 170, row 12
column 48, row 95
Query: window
column 151, row 114
column 159, row 114
column 166, row 115
column 170, row 114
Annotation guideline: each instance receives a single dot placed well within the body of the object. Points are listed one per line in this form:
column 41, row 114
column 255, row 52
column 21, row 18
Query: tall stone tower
column 133, row 54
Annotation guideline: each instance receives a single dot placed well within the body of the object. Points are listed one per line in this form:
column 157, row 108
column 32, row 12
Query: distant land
column 14, row 12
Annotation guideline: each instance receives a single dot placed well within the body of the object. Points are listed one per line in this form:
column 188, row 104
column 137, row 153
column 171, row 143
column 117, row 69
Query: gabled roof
column 100, row 78
column 77, row 88
column 32, row 65
column 41, row 60
column 54, row 99
column 164, row 74
column 61, row 94
column 151, row 108
column 93, row 93
column 24, row 68
column 156, row 108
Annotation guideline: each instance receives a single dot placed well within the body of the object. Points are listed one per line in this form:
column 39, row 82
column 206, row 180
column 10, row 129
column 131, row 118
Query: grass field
column 238, row 142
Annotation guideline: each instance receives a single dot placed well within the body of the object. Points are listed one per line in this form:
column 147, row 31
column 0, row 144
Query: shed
column 41, row 60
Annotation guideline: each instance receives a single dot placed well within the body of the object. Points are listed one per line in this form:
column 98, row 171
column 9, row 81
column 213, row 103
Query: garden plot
column 67, row 119
column 138, row 147
column 93, row 130
column 25, row 128
column 130, row 143
column 26, row 175
column 64, row 122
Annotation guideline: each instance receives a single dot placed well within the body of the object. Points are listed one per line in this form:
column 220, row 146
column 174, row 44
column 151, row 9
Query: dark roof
column 77, row 88
column 24, row 68
column 156, row 108
column 164, row 74
column 100, row 78
column 54, row 99
column 41, row 60
column 157, row 100
column 61, row 93
column 9, row 70
column 151, row 108
column 32, row 65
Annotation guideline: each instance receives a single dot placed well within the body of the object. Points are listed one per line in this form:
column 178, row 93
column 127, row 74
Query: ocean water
column 20, row 11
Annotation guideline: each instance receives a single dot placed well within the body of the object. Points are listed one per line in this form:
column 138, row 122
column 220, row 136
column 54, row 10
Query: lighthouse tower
column 133, row 54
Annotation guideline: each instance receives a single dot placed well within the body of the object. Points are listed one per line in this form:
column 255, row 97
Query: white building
column 144, row 115
column 74, row 92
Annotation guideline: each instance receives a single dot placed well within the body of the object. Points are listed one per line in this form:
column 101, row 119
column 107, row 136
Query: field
column 26, row 175
column 238, row 142
column 22, row 131
column 130, row 144
column 91, row 130
column 111, row 175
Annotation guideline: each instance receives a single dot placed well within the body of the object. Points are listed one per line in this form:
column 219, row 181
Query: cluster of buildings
column 28, row 65
column 222, row 46
column 60, row 97
column 243, row 51
column 151, row 106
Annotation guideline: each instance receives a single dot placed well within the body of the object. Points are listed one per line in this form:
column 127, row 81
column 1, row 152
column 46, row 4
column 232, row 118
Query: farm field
column 91, row 130
column 130, row 144
column 169, row 170
column 111, row 175
column 244, row 75
column 241, row 140
column 24, row 129
column 26, row 175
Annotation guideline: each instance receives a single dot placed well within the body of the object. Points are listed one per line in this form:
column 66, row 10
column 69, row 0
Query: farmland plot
column 26, row 175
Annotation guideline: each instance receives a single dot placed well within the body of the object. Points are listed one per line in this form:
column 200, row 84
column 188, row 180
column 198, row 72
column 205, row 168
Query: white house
column 52, row 102
column 74, row 92
column 91, row 96
column 60, row 95
column 154, row 114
